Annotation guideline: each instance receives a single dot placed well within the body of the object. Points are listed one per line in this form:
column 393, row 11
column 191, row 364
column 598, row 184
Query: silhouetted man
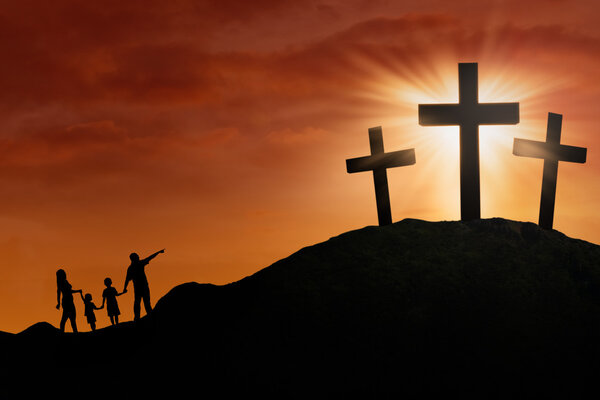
column 141, row 290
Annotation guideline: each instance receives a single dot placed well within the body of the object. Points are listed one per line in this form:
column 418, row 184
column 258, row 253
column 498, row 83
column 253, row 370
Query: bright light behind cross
column 395, row 94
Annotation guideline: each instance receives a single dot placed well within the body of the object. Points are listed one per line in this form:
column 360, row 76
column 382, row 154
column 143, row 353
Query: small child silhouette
column 109, row 295
column 89, row 309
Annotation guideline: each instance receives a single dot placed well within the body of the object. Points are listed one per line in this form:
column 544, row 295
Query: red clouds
column 219, row 129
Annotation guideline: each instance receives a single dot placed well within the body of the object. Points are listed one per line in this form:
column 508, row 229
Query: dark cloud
column 81, row 101
column 147, row 88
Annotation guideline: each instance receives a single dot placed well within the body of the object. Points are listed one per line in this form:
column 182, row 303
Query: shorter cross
column 552, row 152
column 378, row 162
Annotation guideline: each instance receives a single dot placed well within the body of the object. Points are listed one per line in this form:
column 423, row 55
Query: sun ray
column 392, row 97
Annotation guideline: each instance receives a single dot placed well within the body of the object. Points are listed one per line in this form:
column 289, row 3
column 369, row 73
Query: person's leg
column 93, row 324
column 63, row 321
column 116, row 319
column 112, row 320
column 73, row 322
column 147, row 304
column 136, row 306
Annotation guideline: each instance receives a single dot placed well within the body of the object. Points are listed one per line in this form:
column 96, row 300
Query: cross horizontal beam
column 479, row 114
column 439, row 114
column 549, row 151
column 498, row 113
column 398, row 158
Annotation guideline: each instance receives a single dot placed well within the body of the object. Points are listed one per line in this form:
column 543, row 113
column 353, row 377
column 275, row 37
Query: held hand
column 162, row 251
column 58, row 306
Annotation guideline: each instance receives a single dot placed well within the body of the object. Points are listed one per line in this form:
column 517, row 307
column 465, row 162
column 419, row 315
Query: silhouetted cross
column 378, row 162
column 552, row 152
column 469, row 114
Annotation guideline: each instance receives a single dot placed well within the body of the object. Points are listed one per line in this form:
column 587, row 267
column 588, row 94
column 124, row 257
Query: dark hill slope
column 490, row 307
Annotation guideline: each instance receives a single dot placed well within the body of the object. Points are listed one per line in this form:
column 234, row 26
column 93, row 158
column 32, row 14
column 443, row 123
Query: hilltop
column 489, row 307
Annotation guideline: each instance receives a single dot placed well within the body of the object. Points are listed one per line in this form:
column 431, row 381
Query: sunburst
column 392, row 99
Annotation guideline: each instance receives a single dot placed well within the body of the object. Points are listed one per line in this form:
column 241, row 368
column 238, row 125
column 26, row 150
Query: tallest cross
column 468, row 114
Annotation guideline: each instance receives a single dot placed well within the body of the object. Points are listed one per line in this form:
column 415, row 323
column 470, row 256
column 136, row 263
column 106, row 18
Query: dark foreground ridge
column 487, row 308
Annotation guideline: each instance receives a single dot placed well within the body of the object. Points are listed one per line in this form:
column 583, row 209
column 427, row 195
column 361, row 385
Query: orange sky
column 219, row 130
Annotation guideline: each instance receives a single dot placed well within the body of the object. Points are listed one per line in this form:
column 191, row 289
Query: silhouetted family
column 135, row 273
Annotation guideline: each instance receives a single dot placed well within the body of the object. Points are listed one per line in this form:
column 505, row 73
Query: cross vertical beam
column 468, row 114
column 470, row 197
column 468, row 97
column 382, row 193
column 550, row 174
column 378, row 162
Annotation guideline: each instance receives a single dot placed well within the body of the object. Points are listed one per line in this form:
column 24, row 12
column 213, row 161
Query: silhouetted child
column 89, row 310
column 109, row 295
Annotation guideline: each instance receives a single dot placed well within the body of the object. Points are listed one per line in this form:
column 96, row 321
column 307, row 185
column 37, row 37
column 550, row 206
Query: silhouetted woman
column 65, row 288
